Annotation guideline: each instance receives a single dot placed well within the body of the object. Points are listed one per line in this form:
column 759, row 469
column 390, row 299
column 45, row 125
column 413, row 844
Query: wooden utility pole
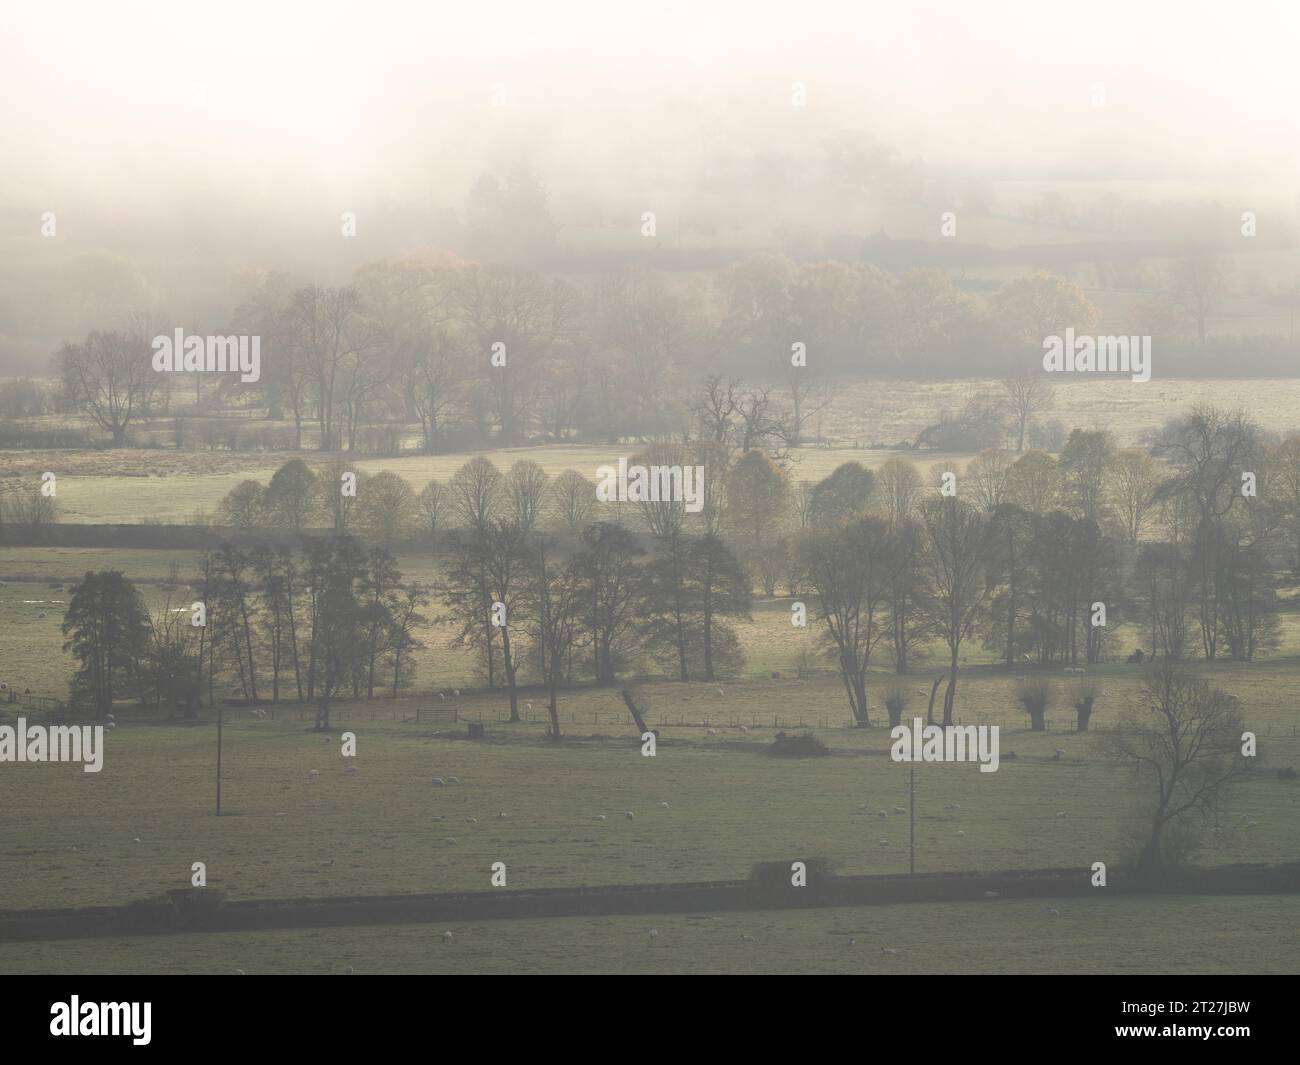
column 911, row 841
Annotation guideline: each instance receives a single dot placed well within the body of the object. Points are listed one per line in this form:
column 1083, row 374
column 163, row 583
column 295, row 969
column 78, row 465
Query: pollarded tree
column 107, row 627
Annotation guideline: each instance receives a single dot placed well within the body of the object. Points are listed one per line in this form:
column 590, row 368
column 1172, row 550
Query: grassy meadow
column 1192, row 936
column 709, row 805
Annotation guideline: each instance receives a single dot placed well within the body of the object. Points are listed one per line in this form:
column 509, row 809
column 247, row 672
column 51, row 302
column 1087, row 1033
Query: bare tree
column 1183, row 743
column 526, row 488
column 110, row 376
column 1027, row 395
column 956, row 556
column 477, row 492
column 573, row 497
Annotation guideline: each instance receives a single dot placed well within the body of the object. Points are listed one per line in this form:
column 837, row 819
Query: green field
column 1193, row 936
column 729, row 804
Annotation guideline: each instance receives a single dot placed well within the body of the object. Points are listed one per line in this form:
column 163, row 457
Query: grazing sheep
column 1057, row 756
column 629, row 815
column 528, row 707
column 654, row 933
column 456, row 694
column 450, row 840
column 744, row 728
column 746, row 939
column 136, row 840
column 990, row 894
column 961, row 832
column 438, row 782
column 240, row 972
column 1251, row 824
column 664, row 805
column 1060, row 813
column 442, row 697
column 884, row 843
column 888, row 950
column 447, row 937
column 881, row 813
column 600, row 817
column 899, row 810
column 312, row 774
column 453, row 780
column 501, row 816
column 850, row 942
column 713, row 732
column 471, row 820
column 440, row 817
column 1053, row 911
column 719, row 690
column 348, row 971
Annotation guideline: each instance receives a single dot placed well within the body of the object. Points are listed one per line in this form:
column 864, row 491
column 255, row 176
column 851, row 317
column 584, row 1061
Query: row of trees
column 492, row 353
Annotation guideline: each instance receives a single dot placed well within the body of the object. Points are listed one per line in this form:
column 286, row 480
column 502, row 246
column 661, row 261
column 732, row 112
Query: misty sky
column 139, row 100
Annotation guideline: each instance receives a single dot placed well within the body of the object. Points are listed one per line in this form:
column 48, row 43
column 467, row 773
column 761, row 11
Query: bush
column 1035, row 695
column 804, row 745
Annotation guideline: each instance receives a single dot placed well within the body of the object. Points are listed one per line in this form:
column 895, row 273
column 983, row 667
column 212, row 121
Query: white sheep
column 456, row 694
column 888, row 950
column 664, row 805
column 1060, row 813
column 447, row 937
column 312, row 774
column 961, row 832
column 1053, row 911
column 719, row 690
column 600, row 817
column 654, row 933
column 899, row 810
column 438, row 782
column 629, row 815
column 450, row 840
column 453, row 780
column 471, row 820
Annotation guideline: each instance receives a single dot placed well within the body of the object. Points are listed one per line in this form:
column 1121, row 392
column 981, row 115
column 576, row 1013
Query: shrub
column 804, row 745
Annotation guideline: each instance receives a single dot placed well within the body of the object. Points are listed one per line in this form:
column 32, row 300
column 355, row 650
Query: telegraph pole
column 911, row 842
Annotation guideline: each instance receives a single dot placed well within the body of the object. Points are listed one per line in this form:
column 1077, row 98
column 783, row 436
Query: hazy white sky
column 255, row 93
